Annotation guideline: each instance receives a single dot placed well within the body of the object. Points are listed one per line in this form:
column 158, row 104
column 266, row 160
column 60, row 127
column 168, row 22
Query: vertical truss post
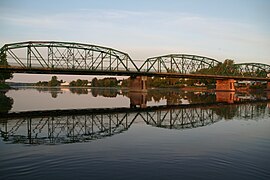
column 85, row 124
column 126, row 58
column 171, row 117
column 117, row 64
column 110, row 60
column 102, row 61
column 182, row 65
column 171, row 58
column 110, row 124
column 29, row 56
column 159, row 64
column 73, row 58
column 29, row 130
column 92, row 123
column 85, row 57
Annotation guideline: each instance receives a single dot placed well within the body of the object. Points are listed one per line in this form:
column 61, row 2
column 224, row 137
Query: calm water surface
column 162, row 134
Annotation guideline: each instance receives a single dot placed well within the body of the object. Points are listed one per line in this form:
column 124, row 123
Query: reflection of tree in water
column 226, row 112
column 104, row 92
column 79, row 90
column 54, row 91
column 54, row 94
column 158, row 95
column 5, row 103
column 176, row 96
column 247, row 111
column 258, row 110
column 205, row 97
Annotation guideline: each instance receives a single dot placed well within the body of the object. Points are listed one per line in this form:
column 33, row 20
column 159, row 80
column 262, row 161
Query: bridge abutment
column 138, row 84
column 225, row 85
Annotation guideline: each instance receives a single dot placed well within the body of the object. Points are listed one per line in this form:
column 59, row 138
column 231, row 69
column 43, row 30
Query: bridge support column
column 227, row 97
column 138, row 84
column 225, row 85
column 268, row 86
column 138, row 99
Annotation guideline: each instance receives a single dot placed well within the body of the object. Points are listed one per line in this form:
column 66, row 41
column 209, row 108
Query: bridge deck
column 122, row 73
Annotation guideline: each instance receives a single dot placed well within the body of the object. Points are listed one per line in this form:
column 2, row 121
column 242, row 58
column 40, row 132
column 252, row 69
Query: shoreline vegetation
column 152, row 83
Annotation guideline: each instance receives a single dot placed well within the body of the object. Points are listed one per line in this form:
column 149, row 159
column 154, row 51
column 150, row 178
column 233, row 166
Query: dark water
column 162, row 134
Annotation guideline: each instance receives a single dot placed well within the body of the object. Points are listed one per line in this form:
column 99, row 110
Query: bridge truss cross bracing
column 66, row 55
column 51, row 57
column 178, row 63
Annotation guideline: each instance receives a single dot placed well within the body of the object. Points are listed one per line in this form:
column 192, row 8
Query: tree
column 54, row 81
column 5, row 103
column 78, row 83
column 3, row 62
column 227, row 68
column 72, row 83
column 94, row 82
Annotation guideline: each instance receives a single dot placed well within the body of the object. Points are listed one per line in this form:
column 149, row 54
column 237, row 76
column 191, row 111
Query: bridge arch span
column 67, row 55
column 253, row 69
column 178, row 63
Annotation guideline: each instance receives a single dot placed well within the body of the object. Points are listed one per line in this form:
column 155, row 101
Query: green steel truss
column 67, row 55
column 252, row 69
column 78, row 58
column 178, row 63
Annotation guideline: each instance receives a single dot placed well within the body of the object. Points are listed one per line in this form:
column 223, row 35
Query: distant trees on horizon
column 105, row 82
column 52, row 83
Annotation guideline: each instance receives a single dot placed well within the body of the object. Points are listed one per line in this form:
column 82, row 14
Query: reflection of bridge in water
column 64, row 129
column 70, row 126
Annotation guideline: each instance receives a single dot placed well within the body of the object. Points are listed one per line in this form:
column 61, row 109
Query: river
column 104, row 133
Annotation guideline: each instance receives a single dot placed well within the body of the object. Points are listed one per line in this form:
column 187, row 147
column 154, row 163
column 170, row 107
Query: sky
column 219, row 29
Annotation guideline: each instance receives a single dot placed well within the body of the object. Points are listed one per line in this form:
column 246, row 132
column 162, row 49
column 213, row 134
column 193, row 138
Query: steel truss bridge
column 71, row 126
column 51, row 57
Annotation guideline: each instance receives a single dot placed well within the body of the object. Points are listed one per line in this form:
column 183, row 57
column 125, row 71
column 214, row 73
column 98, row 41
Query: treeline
column 106, row 82
column 52, row 83
column 79, row 83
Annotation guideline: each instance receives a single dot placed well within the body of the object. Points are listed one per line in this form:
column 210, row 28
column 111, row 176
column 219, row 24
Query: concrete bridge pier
column 138, row 99
column 227, row 97
column 268, row 86
column 138, row 84
column 225, row 85
column 138, row 91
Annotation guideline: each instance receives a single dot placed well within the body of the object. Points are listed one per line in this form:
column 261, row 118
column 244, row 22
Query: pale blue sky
column 235, row 29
